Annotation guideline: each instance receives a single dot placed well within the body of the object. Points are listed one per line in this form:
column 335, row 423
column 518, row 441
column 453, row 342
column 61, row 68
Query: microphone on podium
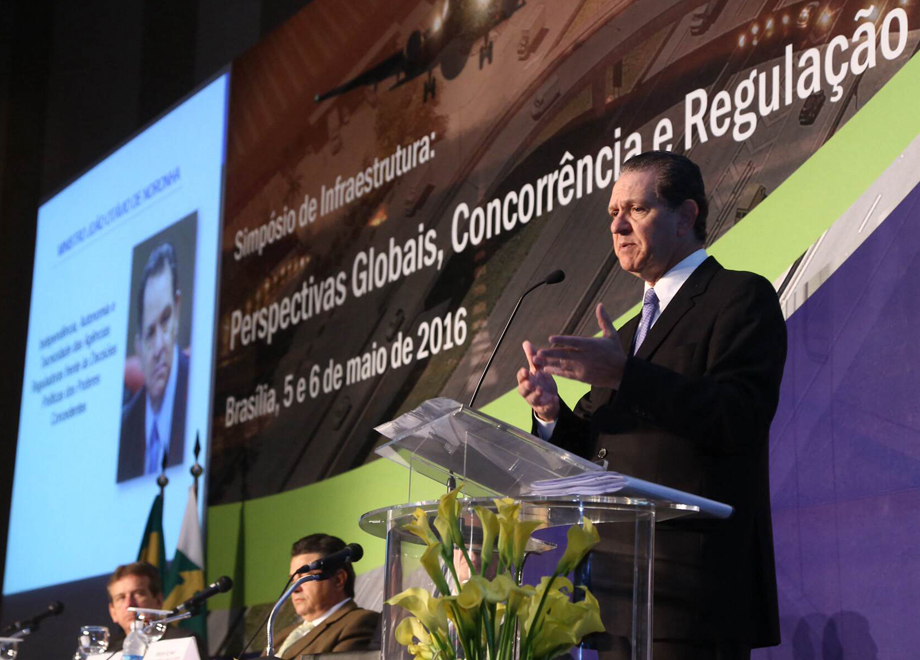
column 553, row 278
column 350, row 553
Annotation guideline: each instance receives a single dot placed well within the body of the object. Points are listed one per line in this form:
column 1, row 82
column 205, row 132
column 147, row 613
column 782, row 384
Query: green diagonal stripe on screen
column 258, row 554
column 807, row 203
column 771, row 237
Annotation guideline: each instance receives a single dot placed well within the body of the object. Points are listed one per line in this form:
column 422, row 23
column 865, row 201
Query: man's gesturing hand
column 597, row 361
column 538, row 388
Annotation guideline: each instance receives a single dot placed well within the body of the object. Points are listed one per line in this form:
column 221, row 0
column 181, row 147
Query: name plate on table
column 165, row 649
column 173, row 649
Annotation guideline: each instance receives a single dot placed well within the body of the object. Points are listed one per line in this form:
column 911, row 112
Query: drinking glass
column 9, row 647
column 93, row 639
column 151, row 626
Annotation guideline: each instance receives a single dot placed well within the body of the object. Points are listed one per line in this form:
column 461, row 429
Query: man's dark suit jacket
column 133, row 448
column 349, row 628
column 693, row 412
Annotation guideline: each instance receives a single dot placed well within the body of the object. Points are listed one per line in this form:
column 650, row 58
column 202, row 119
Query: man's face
column 311, row 599
column 158, row 332
column 648, row 237
column 130, row 591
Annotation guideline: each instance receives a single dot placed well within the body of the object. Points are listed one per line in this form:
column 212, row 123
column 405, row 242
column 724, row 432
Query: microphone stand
column 270, row 646
column 19, row 634
column 15, row 639
column 553, row 278
column 166, row 620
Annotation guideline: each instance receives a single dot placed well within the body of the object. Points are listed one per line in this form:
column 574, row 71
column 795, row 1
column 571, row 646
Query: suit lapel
column 299, row 647
column 628, row 332
column 682, row 303
column 180, row 403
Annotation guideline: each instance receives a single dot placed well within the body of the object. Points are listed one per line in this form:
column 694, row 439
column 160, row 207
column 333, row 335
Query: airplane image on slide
column 446, row 42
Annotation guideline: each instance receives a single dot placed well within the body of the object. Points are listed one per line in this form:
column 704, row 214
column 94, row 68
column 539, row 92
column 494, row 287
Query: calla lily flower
column 420, row 604
column 421, row 651
column 499, row 589
column 421, row 528
column 506, row 540
column 410, row 629
column 508, row 508
column 472, row 593
column 521, row 601
column 446, row 522
column 522, row 532
column 464, row 618
column 581, row 538
column 589, row 618
column 553, row 638
column 430, row 561
column 490, row 529
column 555, row 585
column 487, row 614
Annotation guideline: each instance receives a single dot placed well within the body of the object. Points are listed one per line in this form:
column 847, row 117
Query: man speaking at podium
column 683, row 395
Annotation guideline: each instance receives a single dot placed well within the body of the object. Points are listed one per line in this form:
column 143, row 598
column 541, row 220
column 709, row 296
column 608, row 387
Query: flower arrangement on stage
column 492, row 616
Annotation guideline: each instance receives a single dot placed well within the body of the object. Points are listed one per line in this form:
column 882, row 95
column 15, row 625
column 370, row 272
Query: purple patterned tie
column 649, row 312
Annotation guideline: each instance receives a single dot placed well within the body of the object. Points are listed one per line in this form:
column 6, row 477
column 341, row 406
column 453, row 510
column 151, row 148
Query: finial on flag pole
column 196, row 469
column 163, row 480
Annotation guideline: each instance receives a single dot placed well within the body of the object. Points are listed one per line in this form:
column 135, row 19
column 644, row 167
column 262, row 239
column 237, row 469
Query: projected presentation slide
column 119, row 358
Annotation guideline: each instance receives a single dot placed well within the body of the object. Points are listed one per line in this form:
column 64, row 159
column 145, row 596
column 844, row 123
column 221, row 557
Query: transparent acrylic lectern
column 445, row 441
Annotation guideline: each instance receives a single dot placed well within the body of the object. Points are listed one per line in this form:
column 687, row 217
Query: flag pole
column 196, row 469
column 163, row 480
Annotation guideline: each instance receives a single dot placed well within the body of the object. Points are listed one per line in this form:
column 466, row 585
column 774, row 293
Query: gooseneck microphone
column 553, row 278
column 31, row 624
column 222, row 585
column 350, row 553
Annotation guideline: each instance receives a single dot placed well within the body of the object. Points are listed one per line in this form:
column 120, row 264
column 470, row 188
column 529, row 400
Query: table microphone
column 350, row 553
column 31, row 623
column 223, row 584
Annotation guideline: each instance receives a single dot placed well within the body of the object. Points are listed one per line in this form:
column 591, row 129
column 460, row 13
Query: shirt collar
column 669, row 284
column 328, row 613
column 164, row 419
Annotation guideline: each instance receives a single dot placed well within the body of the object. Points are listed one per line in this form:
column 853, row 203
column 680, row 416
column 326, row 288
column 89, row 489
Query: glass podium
column 445, row 441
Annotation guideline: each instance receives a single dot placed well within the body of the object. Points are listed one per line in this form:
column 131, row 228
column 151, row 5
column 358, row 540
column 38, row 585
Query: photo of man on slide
column 153, row 419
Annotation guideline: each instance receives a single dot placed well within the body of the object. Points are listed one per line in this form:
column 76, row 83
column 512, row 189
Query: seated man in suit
column 137, row 585
column 331, row 619
column 153, row 419
column 682, row 395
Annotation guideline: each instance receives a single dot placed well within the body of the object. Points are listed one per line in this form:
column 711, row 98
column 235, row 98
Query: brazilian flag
column 186, row 572
column 153, row 548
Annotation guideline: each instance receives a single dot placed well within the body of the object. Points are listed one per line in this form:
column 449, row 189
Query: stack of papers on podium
column 589, row 483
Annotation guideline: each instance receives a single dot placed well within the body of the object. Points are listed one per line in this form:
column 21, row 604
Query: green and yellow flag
column 186, row 572
column 153, row 548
